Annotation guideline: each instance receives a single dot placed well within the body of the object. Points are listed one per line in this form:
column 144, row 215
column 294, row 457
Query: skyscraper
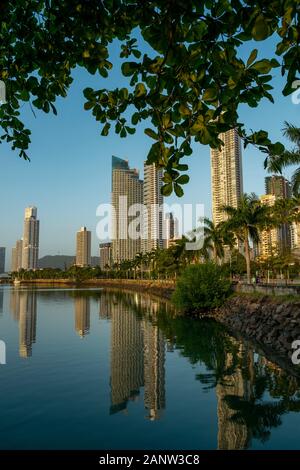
column 16, row 256
column 226, row 174
column 105, row 255
column 278, row 186
column 127, row 190
column 170, row 229
column 83, row 247
column 153, row 209
column 30, row 253
column 272, row 239
column 2, row 259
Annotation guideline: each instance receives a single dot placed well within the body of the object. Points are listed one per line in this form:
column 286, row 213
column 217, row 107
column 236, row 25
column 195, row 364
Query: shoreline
column 271, row 323
column 155, row 287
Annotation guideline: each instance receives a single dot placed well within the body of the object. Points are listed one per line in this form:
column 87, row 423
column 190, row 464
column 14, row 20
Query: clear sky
column 69, row 174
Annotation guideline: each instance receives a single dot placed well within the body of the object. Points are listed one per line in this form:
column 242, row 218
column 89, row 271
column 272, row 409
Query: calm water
column 99, row 370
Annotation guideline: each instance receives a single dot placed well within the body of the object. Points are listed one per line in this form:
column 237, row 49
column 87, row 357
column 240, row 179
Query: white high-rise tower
column 153, row 208
column 226, row 175
column 30, row 254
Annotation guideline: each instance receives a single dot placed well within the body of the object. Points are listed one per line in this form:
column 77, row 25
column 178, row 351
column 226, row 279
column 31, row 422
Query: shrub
column 201, row 286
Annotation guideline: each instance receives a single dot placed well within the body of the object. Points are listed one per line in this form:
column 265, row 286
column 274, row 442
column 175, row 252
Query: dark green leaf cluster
column 189, row 88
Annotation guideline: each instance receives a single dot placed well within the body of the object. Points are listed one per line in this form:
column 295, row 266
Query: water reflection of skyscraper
column 137, row 358
column 82, row 315
column 232, row 434
column 23, row 306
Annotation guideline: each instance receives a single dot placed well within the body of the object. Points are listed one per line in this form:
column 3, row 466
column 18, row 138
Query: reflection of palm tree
column 260, row 417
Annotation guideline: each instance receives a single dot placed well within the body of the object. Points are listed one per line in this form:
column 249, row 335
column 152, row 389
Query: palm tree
column 283, row 213
column 245, row 220
column 215, row 238
column 289, row 157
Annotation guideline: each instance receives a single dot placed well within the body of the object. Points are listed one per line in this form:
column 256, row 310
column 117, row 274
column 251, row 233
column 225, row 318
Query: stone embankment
column 272, row 322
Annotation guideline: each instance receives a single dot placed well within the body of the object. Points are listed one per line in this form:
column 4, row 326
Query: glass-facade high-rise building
column 127, row 191
column 30, row 253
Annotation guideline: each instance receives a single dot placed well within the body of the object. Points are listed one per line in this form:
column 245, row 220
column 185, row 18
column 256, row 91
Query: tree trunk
column 247, row 256
column 215, row 255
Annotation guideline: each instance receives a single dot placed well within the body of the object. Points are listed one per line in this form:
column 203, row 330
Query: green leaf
column 151, row 133
column 123, row 133
column 252, row 57
column 128, row 68
column 184, row 110
column 124, row 93
column 167, row 189
column 140, row 90
column 210, row 94
column 130, row 130
column 178, row 190
column 262, row 66
column 261, row 29
column 135, row 118
column 88, row 105
column 183, row 179
column 105, row 129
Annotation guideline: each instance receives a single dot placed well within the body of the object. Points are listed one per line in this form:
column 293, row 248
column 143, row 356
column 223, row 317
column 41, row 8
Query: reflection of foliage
column 260, row 417
column 204, row 341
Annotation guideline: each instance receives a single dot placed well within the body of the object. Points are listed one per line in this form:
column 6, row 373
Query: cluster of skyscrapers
column 160, row 229
column 129, row 191
column 227, row 189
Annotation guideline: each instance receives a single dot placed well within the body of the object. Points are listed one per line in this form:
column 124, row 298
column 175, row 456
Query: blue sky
column 69, row 174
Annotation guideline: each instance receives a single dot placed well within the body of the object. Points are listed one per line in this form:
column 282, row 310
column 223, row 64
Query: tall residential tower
column 127, row 191
column 30, row 253
column 2, row 259
column 83, row 247
column 226, row 174
column 153, row 209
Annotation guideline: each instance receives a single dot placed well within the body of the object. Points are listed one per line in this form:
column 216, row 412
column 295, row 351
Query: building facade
column 83, row 247
column 127, row 192
column 105, row 250
column 16, row 256
column 30, row 253
column 271, row 239
column 278, row 186
column 2, row 259
column 171, row 232
column 226, row 174
column 153, row 209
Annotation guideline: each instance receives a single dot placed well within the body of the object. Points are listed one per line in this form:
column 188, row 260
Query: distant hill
column 62, row 261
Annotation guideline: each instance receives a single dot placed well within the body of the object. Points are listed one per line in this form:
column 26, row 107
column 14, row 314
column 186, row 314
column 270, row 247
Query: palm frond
column 296, row 182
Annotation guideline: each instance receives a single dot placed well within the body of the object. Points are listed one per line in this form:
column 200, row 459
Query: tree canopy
column 189, row 88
